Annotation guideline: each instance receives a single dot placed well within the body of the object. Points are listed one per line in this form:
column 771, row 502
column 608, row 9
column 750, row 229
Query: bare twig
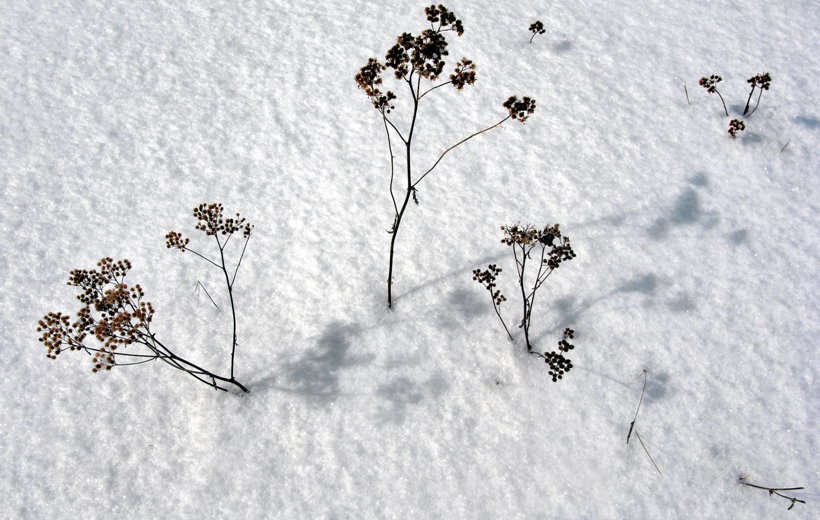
column 775, row 491
column 196, row 289
column 647, row 452
column 632, row 424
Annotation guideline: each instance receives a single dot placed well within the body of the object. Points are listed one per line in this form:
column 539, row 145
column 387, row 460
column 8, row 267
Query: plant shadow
column 316, row 373
column 403, row 392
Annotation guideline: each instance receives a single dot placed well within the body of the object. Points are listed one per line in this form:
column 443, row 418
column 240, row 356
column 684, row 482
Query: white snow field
column 698, row 260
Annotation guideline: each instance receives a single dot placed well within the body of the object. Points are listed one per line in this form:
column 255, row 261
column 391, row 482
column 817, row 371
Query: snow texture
column 698, row 260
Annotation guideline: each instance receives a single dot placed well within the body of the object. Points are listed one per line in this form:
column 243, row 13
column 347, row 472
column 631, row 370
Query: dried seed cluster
column 113, row 313
column 422, row 54
column 735, row 127
column 710, row 83
column 520, row 109
column 537, row 28
column 559, row 365
column 174, row 240
column 563, row 344
column 211, row 221
column 445, row 18
column 487, row 279
column 464, row 74
column 369, row 79
column 762, row 80
column 550, row 236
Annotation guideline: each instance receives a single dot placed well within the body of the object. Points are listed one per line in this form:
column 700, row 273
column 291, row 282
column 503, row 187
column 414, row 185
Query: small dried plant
column 632, row 427
column 775, row 491
column 735, row 127
column 418, row 62
column 549, row 248
column 115, row 317
column 536, row 28
column 761, row 82
column 710, row 84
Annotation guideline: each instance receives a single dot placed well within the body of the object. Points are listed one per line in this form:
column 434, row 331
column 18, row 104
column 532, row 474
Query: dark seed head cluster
column 520, row 109
column 735, row 127
column 710, row 83
column 113, row 313
column 537, row 28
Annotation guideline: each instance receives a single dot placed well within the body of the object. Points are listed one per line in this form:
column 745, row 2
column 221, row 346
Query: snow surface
column 698, row 258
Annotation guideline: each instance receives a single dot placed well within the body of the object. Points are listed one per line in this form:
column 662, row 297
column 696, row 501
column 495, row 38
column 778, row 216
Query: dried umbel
column 212, row 221
column 369, row 80
column 414, row 61
column 735, row 127
column 113, row 313
column 549, row 248
column 520, row 109
column 536, row 28
column 762, row 82
column 464, row 74
column 487, row 279
column 710, row 84
column 550, row 236
column 558, row 363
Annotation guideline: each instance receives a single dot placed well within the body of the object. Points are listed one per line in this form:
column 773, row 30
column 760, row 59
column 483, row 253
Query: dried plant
column 775, row 491
column 552, row 249
column 536, row 28
column 414, row 60
column 710, row 84
column 116, row 317
column 735, row 127
column 762, row 82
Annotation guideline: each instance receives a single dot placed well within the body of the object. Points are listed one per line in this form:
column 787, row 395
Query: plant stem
column 776, row 491
column 756, row 104
column 647, row 452
column 724, row 103
column 230, row 295
column 408, row 193
column 632, row 424
column 498, row 313
column 457, row 144
column 749, row 99
column 525, row 323
column 190, row 368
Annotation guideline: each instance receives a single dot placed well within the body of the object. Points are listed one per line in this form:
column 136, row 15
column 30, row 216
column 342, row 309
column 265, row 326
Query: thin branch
column 776, row 491
column 724, row 103
column 392, row 165
column 647, row 452
column 118, row 364
column 757, row 103
column 202, row 257
column 389, row 122
column 241, row 256
column 457, row 144
column 434, row 88
column 632, row 424
column 198, row 285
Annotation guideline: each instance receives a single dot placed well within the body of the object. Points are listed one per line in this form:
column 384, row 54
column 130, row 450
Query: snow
column 697, row 261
